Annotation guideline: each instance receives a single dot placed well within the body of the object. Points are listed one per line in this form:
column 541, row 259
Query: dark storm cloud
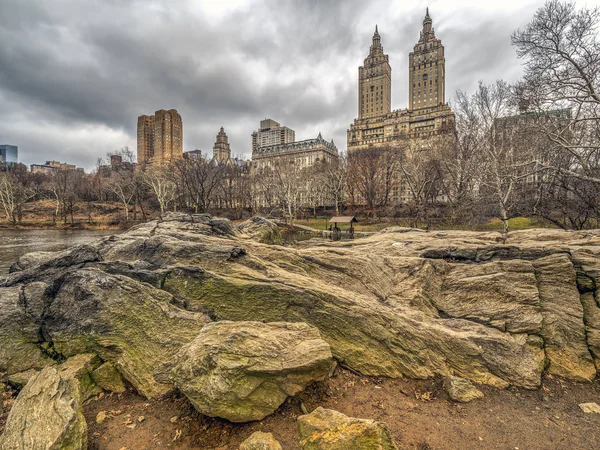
column 74, row 75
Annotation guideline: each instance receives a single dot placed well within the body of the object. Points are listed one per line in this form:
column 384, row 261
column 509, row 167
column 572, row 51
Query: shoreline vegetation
column 38, row 215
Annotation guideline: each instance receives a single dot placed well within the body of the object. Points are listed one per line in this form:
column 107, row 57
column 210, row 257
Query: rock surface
column 261, row 229
column 461, row 390
column 260, row 441
column 47, row 415
column 590, row 408
column 108, row 378
column 402, row 302
column 81, row 367
column 243, row 371
column 326, row 429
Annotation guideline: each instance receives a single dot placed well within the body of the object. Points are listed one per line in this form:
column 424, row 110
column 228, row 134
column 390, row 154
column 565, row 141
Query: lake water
column 14, row 243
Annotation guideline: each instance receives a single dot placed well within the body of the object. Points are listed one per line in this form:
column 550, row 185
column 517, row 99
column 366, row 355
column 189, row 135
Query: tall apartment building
column 427, row 115
column 427, row 70
column 271, row 133
column 375, row 82
column 9, row 154
column 160, row 137
column 221, row 149
column 145, row 139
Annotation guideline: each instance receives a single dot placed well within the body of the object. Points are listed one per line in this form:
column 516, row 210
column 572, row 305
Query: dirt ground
column 418, row 413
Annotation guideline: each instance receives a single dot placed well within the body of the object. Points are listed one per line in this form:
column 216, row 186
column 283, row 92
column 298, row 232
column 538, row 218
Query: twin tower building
column 160, row 136
column 427, row 114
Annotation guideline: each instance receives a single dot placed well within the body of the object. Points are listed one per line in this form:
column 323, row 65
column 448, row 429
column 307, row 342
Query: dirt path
column 505, row 419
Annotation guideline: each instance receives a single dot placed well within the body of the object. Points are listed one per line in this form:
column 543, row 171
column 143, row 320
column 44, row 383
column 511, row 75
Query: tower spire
column 376, row 47
column 427, row 22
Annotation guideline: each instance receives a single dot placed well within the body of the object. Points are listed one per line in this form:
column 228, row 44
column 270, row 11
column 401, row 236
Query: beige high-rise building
column 160, row 137
column 145, row 139
column 168, row 136
column 272, row 133
column 426, row 70
column 427, row 115
column 222, row 149
column 375, row 82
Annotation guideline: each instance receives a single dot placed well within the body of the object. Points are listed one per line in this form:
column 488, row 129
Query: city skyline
column 74, row 83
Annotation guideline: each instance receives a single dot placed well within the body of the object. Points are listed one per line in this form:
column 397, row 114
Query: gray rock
column 461, row 390
column 332, row 430
column 399, row 303
column 260, row 441
column 243, row 371
column 47, row 415
column 108, row 378
column 261, row 229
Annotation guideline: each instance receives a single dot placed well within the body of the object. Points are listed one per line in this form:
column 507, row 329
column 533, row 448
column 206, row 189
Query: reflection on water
column 291, row 236
column 14, row 243
column 297, row 236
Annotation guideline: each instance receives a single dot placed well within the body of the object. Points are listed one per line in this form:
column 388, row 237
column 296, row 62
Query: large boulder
column 400, row 303
column 243, row 371
column 130, row 324
column 19, row 334
column 108, row 378
column 326, row 429
column 261, row 229
column 260, row 441
column 47, row 415
column 81, row 367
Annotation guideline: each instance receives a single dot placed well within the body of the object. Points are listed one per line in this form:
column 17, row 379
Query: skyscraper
column 272, row 133
column 221, row 149
column 427, row 115
column 9, row 154
column 145, row 139
column 160, row 137
column 375, row 82
column 426, row 69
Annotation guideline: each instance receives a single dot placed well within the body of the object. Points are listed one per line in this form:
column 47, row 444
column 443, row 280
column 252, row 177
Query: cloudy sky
column 75, row 74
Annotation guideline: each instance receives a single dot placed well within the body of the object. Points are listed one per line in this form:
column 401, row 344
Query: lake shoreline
column 76, row 226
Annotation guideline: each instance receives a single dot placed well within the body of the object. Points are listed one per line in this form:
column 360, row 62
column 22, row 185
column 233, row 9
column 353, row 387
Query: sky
column 76, row 74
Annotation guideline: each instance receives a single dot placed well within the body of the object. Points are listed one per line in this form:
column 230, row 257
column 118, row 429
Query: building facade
column 52, row 166
column 222, row 149
column 272, row 133
column 9, row 154
column 145, row 139
column 160, row 137
column 302, row 153
column 428, row 113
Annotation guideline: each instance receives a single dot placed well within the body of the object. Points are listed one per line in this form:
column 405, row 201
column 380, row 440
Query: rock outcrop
column 47, row 415
column 402, row 302
column 243, row 371
column 326, row 429
column 461, row 390
column 260, row 441
column 261, row 230
column 108, row 378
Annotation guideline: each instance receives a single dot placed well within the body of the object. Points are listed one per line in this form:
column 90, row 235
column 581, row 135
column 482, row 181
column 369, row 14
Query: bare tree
column 508, row 159
column 63, row 185
column 561, row 50
column 122, row 185
column 335, row 181
column 160, row 181
column 16, row 189
column 422, row 176
column 200, row 181
column 372, row 174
